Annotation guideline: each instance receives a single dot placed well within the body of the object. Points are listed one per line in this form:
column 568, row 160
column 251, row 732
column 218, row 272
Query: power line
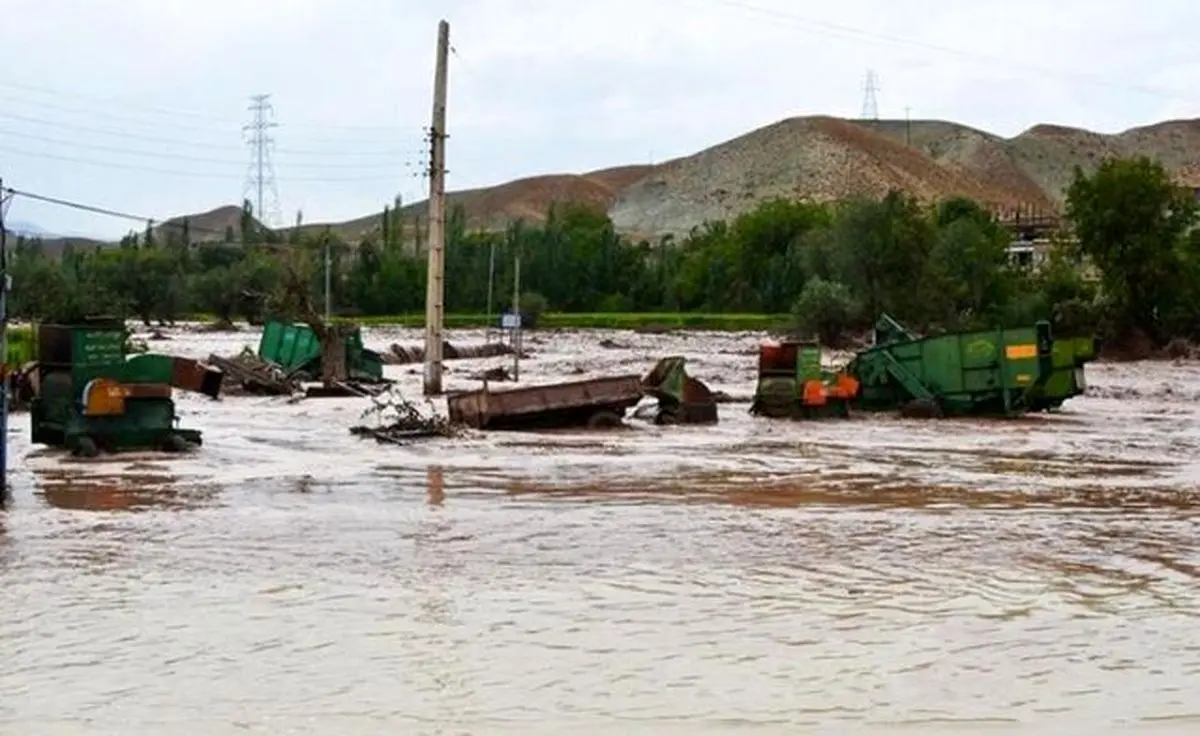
column 341, row 153
column 182, row 156
column 102, row 210
column 187, row 174
column 261, row 174
column 182, row 113
column 838, row 29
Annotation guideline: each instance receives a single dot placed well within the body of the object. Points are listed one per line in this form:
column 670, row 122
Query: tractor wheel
column 175, row 443
column 85, row 446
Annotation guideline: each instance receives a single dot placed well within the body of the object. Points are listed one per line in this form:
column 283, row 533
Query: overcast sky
column 138, row 105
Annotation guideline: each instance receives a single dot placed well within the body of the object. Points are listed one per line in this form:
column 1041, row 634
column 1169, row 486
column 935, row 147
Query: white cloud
column 536, row 85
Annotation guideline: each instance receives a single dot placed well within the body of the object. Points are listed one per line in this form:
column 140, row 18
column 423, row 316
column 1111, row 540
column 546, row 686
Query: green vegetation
column 827, row 269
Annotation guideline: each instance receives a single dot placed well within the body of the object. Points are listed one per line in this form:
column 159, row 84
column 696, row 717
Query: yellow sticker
column 1020, row 352
column 1024, row 378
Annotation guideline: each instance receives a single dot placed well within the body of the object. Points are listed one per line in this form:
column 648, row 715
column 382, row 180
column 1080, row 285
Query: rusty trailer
column 597, row 402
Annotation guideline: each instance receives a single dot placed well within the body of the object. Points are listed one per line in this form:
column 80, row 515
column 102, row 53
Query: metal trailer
column 90, row 396
column 596, row 402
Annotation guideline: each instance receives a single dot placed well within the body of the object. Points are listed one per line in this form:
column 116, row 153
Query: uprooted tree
column 293, row 300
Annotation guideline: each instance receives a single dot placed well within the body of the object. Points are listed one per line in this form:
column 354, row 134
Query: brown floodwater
column 1039, row 575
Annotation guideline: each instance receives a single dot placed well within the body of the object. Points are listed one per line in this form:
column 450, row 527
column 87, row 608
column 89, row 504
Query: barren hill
column 204, row 226
column 492, row 208
column 826, row 158
column 818, row 158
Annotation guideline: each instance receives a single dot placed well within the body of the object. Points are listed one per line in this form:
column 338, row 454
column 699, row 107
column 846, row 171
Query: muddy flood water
column 1040, row 575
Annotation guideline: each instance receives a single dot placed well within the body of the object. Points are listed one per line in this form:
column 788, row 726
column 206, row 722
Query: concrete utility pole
column 436, row 290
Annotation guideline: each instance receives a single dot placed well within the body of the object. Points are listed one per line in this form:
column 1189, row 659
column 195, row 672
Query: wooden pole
column 435, row 294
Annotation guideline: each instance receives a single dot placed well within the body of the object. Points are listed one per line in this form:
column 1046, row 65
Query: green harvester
column 986, row 372
column 296, row 349
column 91, row 396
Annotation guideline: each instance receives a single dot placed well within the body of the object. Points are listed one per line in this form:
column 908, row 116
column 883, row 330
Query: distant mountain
column 29, row 229
column 817, row 157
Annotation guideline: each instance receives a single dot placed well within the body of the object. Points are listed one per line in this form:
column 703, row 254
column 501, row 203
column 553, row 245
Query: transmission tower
column 870, row 108
column 260, row 176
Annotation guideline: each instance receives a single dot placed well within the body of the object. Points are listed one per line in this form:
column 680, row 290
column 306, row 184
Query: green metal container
column 1000, row 371
column 71, row 358
column 296, row 349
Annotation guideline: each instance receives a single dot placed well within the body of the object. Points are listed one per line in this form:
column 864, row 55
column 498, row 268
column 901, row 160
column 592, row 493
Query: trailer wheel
column 666, row 417
column 604, row 419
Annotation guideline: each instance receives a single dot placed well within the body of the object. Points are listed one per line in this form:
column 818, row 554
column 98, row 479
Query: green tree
column 1131, row 221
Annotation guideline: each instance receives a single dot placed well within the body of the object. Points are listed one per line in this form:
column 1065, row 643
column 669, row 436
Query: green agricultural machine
column 296, row 349
column 986, row 372
column 1066, row 380
column 90, row 396
column 792, row 384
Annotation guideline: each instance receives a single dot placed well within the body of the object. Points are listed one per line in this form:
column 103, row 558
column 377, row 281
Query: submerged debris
column 401, row 420
column 249, row 374
column 401, row 355
column 499, row 373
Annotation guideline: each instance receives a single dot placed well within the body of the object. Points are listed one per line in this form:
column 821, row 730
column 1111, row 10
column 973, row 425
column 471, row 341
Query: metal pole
column 434, row 307
column 491, row 278
column 516, row 341
column 328, row 292
column 5, row 284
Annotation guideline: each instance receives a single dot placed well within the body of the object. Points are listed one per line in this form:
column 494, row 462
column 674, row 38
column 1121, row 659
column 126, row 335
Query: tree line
column 835, row 266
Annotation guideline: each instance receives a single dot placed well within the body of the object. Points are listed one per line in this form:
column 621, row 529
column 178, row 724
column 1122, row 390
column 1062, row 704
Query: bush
column 532, row 306
column 825, row 309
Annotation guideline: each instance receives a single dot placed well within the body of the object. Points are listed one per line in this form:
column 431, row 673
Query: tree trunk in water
column 333, row 354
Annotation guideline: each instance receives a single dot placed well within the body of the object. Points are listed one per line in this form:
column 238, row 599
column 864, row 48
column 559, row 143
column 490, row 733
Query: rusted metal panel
column 481, row 407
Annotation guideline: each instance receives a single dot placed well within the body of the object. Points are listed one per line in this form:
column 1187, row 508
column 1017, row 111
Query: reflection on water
column 782, row 577
column 138, row 490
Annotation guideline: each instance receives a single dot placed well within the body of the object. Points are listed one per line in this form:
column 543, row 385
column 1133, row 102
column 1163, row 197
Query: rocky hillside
column 827, row 158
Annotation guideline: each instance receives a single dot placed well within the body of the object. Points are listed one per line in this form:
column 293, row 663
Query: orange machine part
column 103, row 397
column 813, row 393
column 845, row 388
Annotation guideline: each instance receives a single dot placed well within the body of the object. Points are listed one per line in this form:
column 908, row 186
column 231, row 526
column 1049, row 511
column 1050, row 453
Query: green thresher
column 91, row 396
column 1000, row 371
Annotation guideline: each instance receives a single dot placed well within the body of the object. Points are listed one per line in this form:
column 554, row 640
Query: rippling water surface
column 1039, row 575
